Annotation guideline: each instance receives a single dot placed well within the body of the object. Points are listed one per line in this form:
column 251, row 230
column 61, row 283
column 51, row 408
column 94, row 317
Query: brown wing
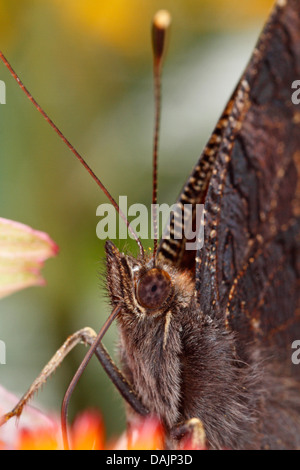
column 248, row 271
column 172, row 249
column 248, row 177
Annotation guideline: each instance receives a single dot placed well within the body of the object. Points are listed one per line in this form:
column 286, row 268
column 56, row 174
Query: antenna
column 160, row 25
column 74, row 151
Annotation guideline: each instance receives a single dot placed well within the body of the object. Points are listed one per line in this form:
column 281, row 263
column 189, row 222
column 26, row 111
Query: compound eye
column 153, row 288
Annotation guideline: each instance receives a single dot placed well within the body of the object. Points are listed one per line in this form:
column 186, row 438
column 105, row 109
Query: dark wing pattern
column 249, row 267
column 172, row 249
column 251, row 254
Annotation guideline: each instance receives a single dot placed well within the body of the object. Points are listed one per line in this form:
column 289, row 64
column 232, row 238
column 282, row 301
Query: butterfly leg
column 190, row 433
column 85, row 335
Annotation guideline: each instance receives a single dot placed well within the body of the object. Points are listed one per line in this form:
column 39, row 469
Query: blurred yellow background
column 88, row 63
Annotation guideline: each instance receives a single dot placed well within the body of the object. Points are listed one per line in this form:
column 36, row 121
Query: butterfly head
column 141, row 287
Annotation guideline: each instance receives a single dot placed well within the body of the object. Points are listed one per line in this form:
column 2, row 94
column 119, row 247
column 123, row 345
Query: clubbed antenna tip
column 160, row 25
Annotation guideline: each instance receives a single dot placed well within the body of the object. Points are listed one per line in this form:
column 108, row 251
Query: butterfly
column 206, row 334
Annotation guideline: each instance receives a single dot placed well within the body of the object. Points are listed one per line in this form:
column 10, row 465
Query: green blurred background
column 89, row 64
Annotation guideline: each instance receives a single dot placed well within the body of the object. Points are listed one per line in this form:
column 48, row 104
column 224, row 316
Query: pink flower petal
column 31, row 419
column 23, row 251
